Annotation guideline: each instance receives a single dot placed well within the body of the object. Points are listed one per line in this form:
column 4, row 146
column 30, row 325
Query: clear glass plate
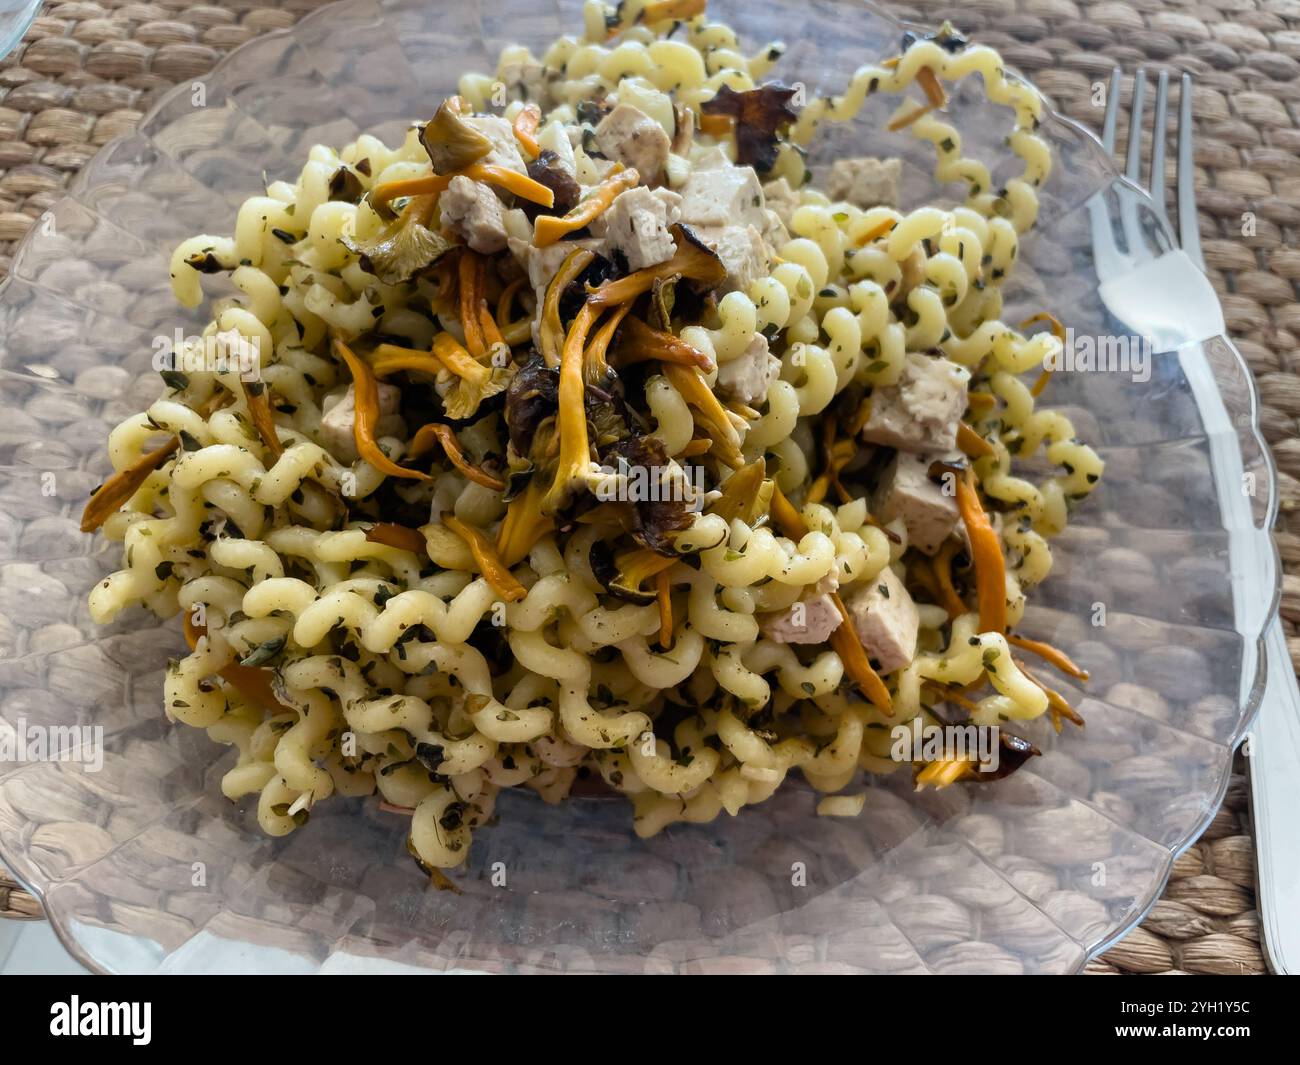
column 143, row 866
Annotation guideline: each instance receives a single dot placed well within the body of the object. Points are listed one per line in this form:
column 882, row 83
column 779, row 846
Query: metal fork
column 1274, row 744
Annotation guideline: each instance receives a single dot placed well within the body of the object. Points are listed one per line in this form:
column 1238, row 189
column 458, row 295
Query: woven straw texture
column 87, row 72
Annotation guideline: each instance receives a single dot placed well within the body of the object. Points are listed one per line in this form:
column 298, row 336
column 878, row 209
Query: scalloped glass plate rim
column 1251, row 701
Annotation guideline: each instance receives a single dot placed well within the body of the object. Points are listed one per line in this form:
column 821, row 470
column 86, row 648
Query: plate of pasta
column 505, row 489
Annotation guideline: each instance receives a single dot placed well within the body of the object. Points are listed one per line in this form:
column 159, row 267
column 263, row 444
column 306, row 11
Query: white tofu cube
column 885, row 619
column 747, row 377
column 921, row 412
column 723, row 196
column 340, row 416
column 505, row 147
column 782, row 199
column 806, row 621
column 742, row 252
column 906, row 491
column 636, row 225
column 473, row 212
column 633, row 138
column 865, row 182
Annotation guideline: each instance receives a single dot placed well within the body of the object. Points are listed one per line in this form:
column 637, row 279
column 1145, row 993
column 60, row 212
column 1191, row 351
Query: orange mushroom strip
column 512, row 181
column 367, row 414
column 951, row 695
column 715, row 125
column 972, row 443
column 575, row 447
column 424, row 440
column 549, row 228
column 643, row 343
column 428, row 185
column 403, row 537
column 435, row 184
column 596, row 365
column 929, row 81
column 389, row 359
column 981, row 401
column 253, row 682
column 903, row 121
column 489, row 563
column 986, row 551
column 443, row 277
column 694, row 391
column 491, row 331
column 696, row 446
column 420, row 209
column 514, row 330
column 860, row 418
column 525, row 127
column 114, row 492
column 689, row 261
column 523, row 526
column 663, row 593
column 921, row 573
column 677, row 10
column 876, row 232
column 506, row 301
column 479, row 380
column 1048, row 653
column 844, row 640
column 552, row 329
column 837, row 456
column 1055, row 700
column 455, row 358
column 946, row 592
column 1058, row 331
column 945, row 771
column 259, row 411
column 470, row 279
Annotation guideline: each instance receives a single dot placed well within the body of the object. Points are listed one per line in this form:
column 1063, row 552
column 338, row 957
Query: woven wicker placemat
column 87, row 72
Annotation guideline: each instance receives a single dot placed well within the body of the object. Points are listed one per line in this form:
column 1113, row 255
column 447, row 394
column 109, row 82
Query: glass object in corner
column 15, row 17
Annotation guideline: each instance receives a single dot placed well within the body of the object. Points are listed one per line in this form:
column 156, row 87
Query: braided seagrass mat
column 87, row 71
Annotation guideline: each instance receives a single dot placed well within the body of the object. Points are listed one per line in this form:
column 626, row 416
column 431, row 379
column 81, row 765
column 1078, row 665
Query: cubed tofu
column 707, row 157
column 906, row 491
column 340, row 415
column 723, row 196
column 781, row 198
column 747, row 377
column 885, row 619
column 636, row 226
column 505, row 147
column 866, row 182
column 525, row 79
column 742, row 252
column 544, row 262
column 634, row 139
column 472, row 211
column 806, row 621
column 775, row 234
column 921, row 412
